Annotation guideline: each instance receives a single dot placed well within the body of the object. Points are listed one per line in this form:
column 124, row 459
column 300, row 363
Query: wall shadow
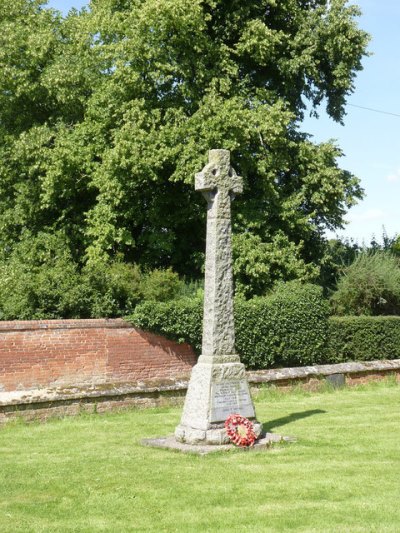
column 269, row 426
column 182, row 351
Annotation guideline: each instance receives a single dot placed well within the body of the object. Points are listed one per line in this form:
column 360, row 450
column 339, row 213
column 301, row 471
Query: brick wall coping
column 100, row 390
column 31, row 325
column 271, row 376
column 303, row 372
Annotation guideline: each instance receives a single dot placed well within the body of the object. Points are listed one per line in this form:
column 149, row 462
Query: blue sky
column 370, row 140
column 66, row 5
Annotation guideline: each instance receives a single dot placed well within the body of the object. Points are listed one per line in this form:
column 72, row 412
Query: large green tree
column 106, row 115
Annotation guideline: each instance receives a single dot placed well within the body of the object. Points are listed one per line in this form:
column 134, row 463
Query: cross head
column 219, row 182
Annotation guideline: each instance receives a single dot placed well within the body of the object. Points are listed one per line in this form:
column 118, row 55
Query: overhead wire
column 375, row 110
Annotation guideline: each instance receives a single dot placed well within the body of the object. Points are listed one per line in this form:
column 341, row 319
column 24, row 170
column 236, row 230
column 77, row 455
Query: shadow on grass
column 268, row 426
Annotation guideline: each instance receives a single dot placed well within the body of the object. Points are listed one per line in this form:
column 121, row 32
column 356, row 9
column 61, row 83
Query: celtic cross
column 219, row 183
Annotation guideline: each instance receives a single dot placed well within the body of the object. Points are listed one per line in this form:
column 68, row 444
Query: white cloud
column 367, row 216
column 394, row 177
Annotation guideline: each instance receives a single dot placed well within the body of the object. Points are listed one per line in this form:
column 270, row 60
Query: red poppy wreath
column 240, row 430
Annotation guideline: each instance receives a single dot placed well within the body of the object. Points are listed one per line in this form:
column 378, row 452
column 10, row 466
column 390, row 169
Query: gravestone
column 218, row 385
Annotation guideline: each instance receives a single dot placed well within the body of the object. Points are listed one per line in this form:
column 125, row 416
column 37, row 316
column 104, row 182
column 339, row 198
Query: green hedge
column 286, row 328
column 179, row 320
column 289, row 327
column 363, row 338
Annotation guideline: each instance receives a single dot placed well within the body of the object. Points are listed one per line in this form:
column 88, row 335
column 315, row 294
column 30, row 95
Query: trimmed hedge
column 363, row 338
column 179, row 320
column 289, row 327
column 286, row 328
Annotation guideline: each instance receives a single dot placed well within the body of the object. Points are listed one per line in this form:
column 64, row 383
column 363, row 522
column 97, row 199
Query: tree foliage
column 106, row 115
column 338, row 255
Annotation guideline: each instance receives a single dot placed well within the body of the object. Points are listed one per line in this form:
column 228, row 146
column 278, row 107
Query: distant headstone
column 218, row 386
column 336, row 380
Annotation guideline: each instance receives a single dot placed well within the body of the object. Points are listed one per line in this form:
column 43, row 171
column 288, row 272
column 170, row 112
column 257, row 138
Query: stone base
column 215, row 436
column 170, row 443
column 216, row 390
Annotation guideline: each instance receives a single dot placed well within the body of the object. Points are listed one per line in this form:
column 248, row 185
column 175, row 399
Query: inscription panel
column 228, row 397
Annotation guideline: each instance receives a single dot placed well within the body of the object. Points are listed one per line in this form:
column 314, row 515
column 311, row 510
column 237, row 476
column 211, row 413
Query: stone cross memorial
column 218, row 386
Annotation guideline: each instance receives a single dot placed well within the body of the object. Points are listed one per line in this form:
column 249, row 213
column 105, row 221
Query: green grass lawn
column 90, row 473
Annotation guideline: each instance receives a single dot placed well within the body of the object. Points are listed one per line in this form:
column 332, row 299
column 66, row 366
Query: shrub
column 369, row 286
column 363, row 338
column 161, row 285
column 117, row 287
column 40, row 279
column 179, row 320
column 113, row 289
column 288, row 327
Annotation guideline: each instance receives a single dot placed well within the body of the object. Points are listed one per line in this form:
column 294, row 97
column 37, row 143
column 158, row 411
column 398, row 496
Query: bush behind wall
column 290, row 327
column 40, row 279
column 286, row 328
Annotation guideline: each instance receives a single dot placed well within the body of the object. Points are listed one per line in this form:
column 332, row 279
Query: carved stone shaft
column 219, row 183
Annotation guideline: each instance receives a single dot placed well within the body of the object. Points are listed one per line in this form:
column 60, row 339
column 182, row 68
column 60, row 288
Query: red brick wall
column 51, row 353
